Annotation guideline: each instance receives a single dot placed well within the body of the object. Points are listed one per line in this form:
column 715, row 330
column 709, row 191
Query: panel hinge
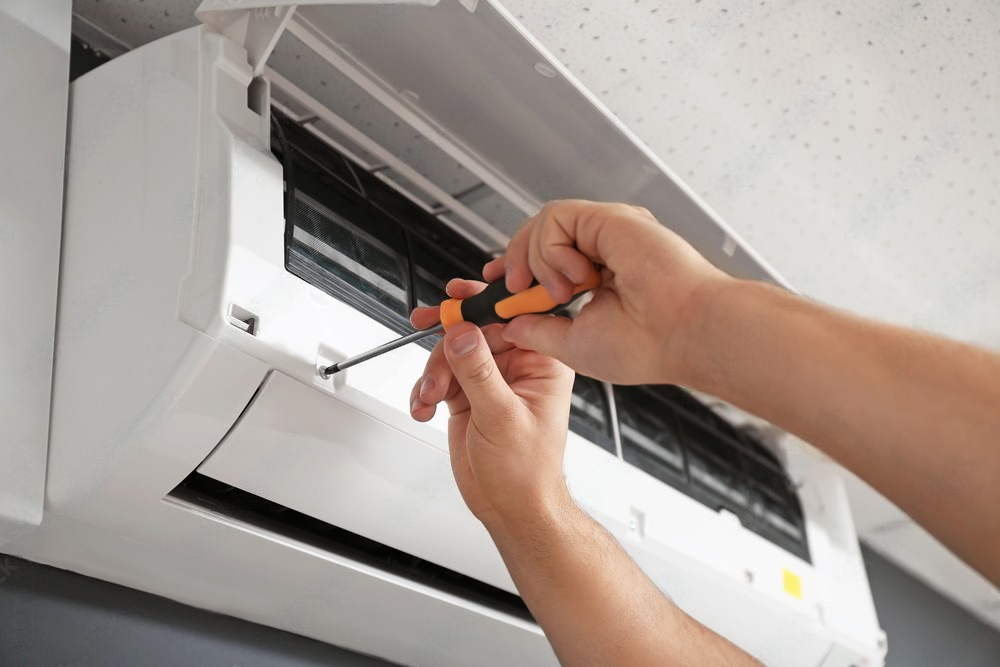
column 256, row 29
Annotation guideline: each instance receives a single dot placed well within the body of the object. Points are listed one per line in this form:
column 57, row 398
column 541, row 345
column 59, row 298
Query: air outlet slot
column 241, row 506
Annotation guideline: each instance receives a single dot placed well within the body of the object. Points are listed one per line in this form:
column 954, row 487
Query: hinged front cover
column 473, row 81
column 257, row 25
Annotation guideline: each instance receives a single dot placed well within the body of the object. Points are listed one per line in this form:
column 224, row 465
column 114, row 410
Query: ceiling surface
column 855, row 145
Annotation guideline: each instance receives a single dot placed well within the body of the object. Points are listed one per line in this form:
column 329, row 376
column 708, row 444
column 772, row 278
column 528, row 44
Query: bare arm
column 594, row 603
column 916, row 416
column 506, row 435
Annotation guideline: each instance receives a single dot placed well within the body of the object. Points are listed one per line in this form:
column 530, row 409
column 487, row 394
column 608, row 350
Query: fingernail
column 549, row 287
column 416, row 405
column 426, row 385
column 465, row 343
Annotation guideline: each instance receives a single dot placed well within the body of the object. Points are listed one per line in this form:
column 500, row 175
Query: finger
column 437, row 382
column 476, row 371
column 646, row 213
column 553, row 255
column 558, row 243
column 493, row 333
column 459, row 288
column 518, row 273
column 494, row 270
column 425, row 317
column 554, row 282
column 419, row 410
column 546, row 334
column 432, row 387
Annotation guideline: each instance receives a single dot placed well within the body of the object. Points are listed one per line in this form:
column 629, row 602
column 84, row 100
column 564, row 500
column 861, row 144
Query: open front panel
column 473, row 86
column 352, row 234
column 356, row 238
column 500, row 103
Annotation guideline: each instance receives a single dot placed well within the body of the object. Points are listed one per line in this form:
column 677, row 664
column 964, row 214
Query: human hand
column 632, row 331
column 509, row 416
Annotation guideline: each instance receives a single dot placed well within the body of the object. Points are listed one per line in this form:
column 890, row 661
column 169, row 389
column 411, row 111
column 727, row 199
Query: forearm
column 916, row 416
column 594, row 603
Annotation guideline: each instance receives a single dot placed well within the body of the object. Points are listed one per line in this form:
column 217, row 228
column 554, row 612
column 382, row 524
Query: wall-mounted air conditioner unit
column 227, row 235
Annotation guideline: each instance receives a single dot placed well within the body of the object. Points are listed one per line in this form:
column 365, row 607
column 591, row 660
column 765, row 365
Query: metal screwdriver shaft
column 381, row 349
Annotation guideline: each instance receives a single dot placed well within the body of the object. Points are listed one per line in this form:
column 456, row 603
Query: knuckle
column 645, row 212
column 482, row 372
column 622, row 210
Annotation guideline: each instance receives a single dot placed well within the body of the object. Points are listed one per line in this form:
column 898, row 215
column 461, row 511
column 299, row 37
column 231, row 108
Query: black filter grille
column 345, row 261
column 650, row 435
column 590, row 415
column 669, row 434
column 359, row 240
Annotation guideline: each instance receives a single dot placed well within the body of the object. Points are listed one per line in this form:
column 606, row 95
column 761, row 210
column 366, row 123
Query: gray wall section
column 53, row 617
column 924, row 628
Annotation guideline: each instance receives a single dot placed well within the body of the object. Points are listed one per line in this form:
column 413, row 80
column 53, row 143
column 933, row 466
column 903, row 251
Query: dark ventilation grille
column 356, row 238
column 589, row 413
column 204, row 492
column 346, row 261
column 669, row 434
column 650, row 434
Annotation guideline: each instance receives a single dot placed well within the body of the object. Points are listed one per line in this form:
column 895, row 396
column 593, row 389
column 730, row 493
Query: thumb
column 476, row 370
column 544, row 334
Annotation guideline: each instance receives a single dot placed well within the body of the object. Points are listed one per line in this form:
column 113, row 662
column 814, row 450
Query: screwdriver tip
column 325, row 373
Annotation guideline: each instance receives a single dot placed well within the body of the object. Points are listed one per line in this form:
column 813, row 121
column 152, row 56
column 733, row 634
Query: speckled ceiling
column 855, row 145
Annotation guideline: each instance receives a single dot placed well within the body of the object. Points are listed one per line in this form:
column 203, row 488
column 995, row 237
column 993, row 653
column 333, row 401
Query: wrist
column 692, row 335
column 731, row 316
column 539, row 516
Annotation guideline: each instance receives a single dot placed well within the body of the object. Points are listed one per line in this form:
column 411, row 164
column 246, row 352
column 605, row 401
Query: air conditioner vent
column 672, row 436
column 352, row 235
column 590, row 414
column 651, row 438
column 205, row 493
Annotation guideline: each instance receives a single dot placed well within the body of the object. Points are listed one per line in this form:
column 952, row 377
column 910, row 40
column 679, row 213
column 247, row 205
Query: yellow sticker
column 793, row 584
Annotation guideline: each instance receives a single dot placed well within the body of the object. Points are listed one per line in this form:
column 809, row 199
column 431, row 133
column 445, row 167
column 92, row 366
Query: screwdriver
column 494, row 305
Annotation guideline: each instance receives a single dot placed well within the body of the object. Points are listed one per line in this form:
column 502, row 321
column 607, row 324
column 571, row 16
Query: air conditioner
column 227, row 235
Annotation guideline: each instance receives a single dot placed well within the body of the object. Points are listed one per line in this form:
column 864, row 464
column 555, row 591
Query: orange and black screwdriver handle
column 496, row 305
column 491, row 306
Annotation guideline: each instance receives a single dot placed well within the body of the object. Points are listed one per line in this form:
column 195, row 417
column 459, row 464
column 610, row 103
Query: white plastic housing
column 33, row 96
column 173, row 224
